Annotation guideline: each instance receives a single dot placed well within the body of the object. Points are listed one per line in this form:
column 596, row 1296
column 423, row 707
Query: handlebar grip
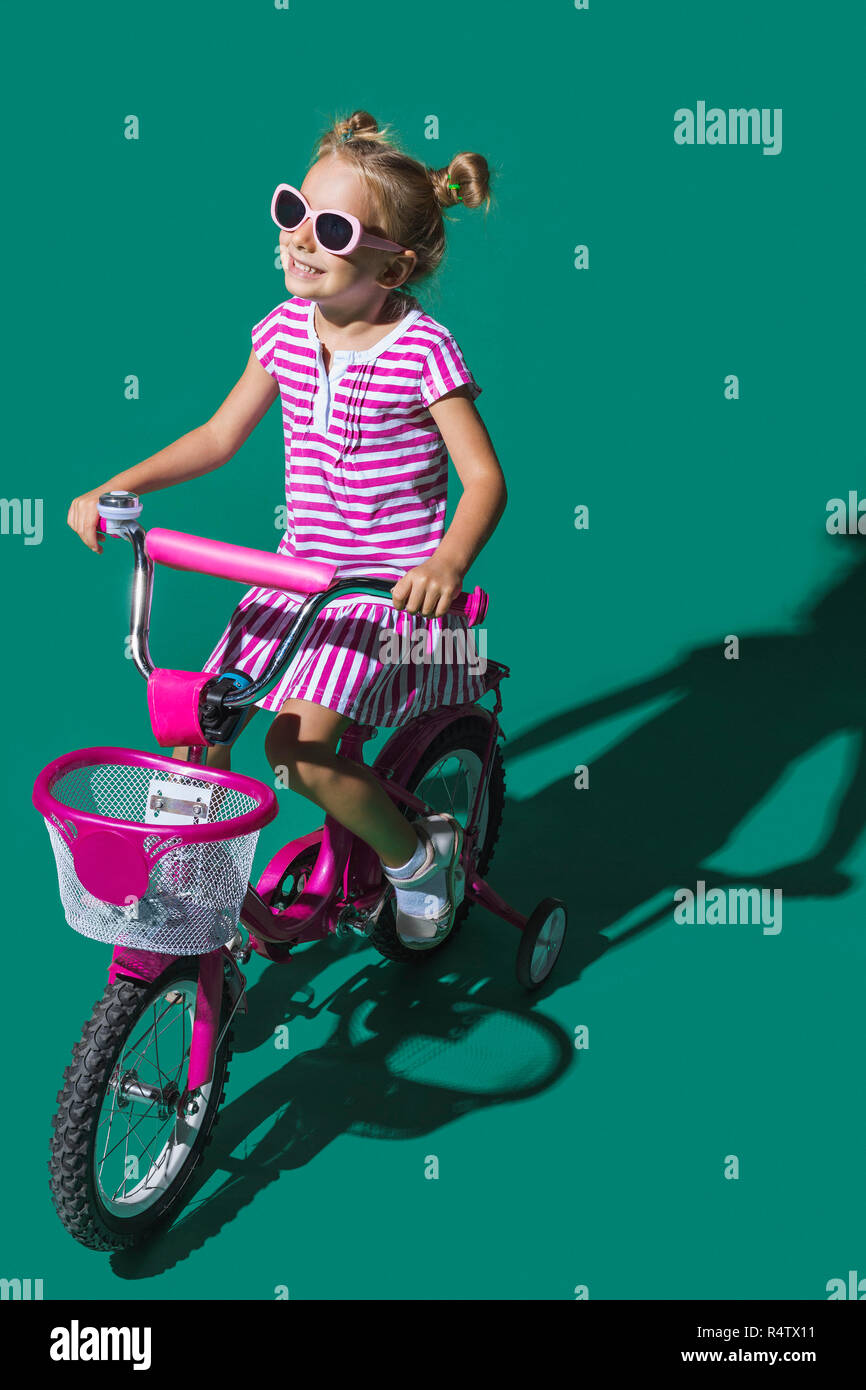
column 180, row 551
column 473, row 605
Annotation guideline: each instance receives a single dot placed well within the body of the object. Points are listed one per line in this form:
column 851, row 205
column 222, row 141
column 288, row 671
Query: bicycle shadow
column 367, row 1079
column 663, row 799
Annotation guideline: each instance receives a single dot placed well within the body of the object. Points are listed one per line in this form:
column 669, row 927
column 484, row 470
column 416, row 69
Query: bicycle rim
column 450, row 785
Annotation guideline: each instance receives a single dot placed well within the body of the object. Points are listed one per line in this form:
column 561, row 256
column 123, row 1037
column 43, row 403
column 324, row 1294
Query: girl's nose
column 302, row 236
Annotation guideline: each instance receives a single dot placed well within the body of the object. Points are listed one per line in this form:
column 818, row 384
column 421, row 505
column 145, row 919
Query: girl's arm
column 202, row 450
column 429, row 588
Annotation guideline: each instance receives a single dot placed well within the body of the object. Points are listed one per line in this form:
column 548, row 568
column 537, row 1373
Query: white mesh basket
column 195, row 887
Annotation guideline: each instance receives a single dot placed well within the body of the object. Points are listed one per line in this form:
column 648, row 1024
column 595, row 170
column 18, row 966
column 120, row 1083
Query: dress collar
column 371, row 353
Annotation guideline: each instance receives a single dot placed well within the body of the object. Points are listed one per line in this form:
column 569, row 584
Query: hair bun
column 466, row 181
column 359, row 124
column 440, row 180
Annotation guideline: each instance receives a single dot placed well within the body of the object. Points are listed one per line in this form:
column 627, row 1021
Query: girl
column 375, row 394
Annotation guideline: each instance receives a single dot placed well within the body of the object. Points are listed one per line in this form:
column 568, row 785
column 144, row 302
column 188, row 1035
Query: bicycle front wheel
column 120, row 1154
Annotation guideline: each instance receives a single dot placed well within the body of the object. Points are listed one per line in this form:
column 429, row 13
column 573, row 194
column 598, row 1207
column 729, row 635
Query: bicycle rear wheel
column 120, row 1154
column 446, row 777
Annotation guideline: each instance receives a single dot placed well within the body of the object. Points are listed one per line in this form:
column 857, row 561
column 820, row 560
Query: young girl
column 375, row 394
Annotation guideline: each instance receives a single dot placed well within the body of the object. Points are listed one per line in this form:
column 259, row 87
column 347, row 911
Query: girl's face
column 345, row 280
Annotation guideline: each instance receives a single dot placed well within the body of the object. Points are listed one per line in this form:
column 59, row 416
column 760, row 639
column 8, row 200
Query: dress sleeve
column 264, row 337
column 443, row 370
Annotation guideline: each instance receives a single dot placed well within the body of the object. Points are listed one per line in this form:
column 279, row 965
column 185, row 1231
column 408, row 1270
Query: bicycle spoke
column 140, row 1053
column 131, row 1129
column 151, row 1026
column 141, row 1056
column 124, row 1179
column 458, row 785
column 110, row 1115
column 156, row 1049
column 184, row 1049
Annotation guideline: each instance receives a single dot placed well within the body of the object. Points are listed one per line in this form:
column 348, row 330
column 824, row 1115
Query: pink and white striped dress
column 366, row 487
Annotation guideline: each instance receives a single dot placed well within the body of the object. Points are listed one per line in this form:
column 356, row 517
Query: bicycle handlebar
column 180, row 551
column 119, row 514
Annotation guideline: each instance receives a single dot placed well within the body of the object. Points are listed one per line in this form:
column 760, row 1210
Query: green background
column 558, row 1167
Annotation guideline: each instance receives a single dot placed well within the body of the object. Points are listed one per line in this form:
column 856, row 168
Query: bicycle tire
column 74, row 1190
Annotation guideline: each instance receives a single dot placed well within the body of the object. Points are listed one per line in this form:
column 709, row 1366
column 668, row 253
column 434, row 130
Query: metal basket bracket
column 170, row 803
column 197, row 810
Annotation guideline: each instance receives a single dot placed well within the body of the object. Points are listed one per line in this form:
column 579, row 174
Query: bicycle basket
column 151, row 853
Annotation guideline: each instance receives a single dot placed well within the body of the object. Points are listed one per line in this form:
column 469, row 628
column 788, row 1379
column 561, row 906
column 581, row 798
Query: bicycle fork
column 147, row 966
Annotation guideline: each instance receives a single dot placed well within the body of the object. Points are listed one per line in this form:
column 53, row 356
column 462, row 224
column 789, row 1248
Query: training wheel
column 541, row 942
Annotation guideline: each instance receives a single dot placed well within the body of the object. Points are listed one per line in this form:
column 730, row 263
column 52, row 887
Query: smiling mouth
column 304, row 272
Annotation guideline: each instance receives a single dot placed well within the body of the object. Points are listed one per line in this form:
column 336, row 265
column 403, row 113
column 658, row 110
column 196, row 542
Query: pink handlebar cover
column 183, row 552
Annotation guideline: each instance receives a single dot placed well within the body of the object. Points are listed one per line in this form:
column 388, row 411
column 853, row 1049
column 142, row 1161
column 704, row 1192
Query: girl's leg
column 300, row 747
column 220, row 756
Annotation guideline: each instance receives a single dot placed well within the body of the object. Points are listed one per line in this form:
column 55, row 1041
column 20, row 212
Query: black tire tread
column 79, row 1101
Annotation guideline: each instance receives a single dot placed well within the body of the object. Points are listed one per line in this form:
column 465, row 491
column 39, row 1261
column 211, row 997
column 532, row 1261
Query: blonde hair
column 409, row 196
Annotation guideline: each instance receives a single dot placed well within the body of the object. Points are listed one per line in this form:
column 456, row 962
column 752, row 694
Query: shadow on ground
column 665, row 798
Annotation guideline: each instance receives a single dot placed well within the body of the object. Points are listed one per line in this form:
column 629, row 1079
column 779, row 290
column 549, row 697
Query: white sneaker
column 442, row 836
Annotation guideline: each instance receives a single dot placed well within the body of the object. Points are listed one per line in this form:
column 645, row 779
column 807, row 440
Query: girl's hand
column 429, row 588
column 83, row 517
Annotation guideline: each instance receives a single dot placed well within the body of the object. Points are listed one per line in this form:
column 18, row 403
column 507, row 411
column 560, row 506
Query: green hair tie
column 347, row 135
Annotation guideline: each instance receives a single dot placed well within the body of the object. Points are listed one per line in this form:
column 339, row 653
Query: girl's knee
column 301, row 745
column 303, row 767
column 303, row 730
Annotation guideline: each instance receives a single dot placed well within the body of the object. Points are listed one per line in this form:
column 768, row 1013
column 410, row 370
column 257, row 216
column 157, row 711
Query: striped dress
column 366, row 489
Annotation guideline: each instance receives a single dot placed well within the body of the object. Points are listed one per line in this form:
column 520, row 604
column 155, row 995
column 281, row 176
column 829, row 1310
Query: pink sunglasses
column 338, row 232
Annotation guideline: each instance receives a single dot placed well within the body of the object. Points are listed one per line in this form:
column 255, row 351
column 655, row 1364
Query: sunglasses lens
column 333, row 231
column 289, row 210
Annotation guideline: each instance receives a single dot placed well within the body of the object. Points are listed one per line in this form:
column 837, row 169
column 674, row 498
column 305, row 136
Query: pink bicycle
column 154, row 855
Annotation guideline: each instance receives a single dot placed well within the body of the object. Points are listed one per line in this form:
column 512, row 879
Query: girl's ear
column 394, row 276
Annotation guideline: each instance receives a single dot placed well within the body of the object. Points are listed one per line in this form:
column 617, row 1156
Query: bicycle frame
column 345, row 887
column 346, row 876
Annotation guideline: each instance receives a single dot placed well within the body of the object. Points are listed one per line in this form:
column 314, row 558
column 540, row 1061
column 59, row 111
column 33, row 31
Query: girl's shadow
column 671, row 794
